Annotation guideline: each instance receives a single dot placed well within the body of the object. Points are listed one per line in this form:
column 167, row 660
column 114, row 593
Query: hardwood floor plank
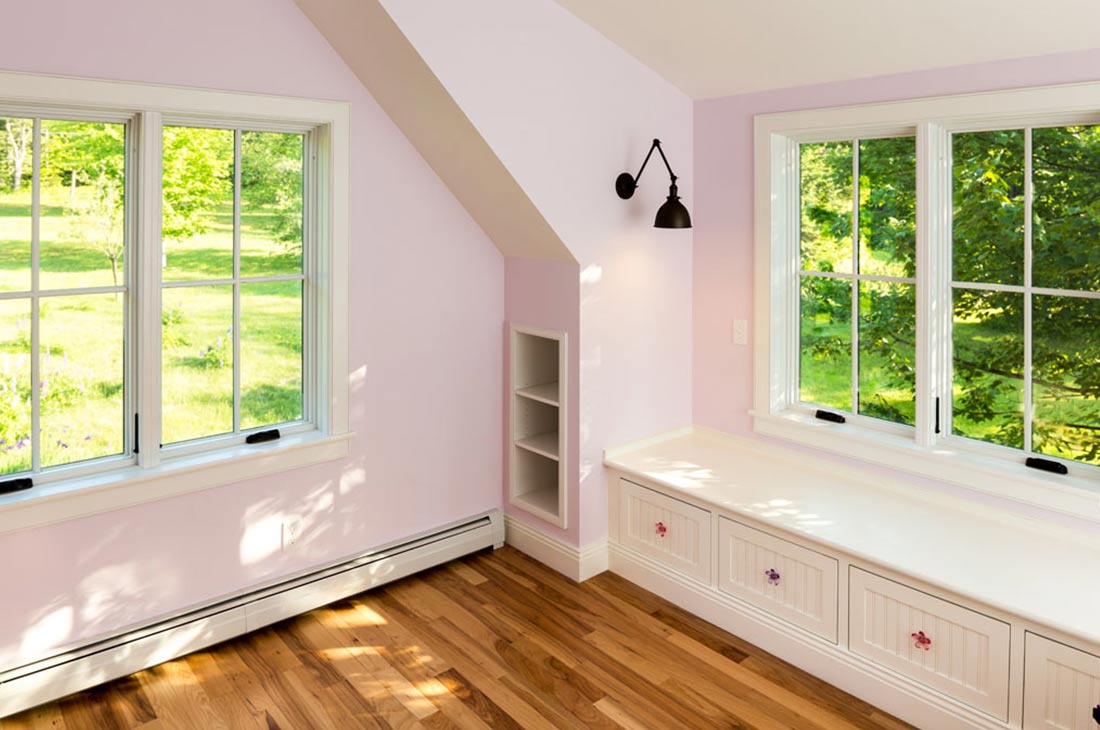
column 495, row 640
column 490, row 712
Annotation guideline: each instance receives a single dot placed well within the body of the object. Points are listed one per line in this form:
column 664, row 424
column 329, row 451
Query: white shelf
column 537, row 478
column 543, row 444
column 541, row 500
column 545, row 393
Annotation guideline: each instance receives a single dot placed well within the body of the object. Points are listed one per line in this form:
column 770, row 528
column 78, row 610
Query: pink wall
column 545, row 294
column 566, row 111
column 427, row 303
column 723, row 264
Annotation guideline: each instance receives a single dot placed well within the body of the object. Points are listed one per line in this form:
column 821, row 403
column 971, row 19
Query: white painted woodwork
column 1061, row 686
column 956, row 545
column 537, row 481
column 802, row 589
column 684, row 542
column 975, row 579
column 968, row 654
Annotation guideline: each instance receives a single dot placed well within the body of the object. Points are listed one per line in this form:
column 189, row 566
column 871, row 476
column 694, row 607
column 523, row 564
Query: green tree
column 197, row 178
column 271, row 184
column 988, row 248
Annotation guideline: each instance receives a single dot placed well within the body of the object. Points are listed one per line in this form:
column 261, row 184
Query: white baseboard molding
column 578, row 565
column 912, row 702
column 127, row 652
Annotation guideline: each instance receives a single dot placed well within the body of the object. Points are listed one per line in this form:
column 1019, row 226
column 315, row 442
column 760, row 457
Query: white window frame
column 153, row 474
column 920, row 450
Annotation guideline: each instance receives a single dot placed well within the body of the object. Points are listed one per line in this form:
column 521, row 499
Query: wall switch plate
column 740, row 332
column 292, row 533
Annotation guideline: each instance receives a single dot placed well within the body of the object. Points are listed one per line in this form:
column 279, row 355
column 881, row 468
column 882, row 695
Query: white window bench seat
column 883, row 589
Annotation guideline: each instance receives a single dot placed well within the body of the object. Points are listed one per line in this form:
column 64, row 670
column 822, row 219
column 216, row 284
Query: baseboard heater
column 121, row 654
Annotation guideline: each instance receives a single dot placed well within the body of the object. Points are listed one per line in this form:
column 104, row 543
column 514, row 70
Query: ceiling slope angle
column 375, row 49
column 714, row 48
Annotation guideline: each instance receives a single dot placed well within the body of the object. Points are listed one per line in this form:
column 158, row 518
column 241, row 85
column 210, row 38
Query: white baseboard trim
column 578, row 565
column 908, row 700
column 124, row 653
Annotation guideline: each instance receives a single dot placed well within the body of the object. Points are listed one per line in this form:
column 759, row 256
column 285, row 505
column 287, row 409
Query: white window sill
column 1072, row 495
column 79, row 497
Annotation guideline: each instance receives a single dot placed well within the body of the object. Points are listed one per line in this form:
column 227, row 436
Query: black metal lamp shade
column 672, row 214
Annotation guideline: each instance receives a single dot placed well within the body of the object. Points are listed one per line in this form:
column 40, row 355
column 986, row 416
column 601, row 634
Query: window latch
column 16, row 485
column 1054, row 467
column 829, row 416
column 261, row 436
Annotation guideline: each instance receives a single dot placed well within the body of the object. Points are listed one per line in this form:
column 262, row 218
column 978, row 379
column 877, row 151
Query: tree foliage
column 988, row 249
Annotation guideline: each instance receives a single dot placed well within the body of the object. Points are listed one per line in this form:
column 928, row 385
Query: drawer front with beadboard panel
column 785, row 579
column 1061, row 686
column 669, row 531
column 957, row 651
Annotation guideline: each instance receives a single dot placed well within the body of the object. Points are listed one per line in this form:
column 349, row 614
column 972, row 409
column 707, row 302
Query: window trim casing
column 72, row 493
column 944, row 458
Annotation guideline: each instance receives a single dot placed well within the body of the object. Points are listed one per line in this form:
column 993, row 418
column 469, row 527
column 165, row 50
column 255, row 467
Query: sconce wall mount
column 671, row 214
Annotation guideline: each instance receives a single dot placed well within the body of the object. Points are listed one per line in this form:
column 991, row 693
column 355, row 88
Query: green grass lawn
column 82, row 354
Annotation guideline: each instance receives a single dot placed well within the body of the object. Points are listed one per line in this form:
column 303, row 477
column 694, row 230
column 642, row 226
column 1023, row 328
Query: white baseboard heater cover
column 118, row 655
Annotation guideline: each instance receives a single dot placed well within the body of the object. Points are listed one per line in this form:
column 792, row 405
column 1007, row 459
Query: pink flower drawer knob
column 773, row 576
column 661, row 529
column 920, row 641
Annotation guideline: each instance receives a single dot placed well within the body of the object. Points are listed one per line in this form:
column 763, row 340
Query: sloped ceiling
column 379, row 54
column 711, row 48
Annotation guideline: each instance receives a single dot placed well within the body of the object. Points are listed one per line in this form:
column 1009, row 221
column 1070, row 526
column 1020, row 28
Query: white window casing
column 921, row 450
column 65, row 493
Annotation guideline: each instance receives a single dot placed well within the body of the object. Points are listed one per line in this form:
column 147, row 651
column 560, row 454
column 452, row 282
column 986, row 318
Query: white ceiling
column 712, row 48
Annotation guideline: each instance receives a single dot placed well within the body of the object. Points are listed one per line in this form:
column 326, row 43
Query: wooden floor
column 494, row 640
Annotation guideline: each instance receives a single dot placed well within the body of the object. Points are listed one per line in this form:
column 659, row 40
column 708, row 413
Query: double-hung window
column 172, row 280
column 928, row 288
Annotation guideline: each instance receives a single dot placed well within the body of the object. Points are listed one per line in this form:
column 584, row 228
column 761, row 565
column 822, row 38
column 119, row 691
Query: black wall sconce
column 672, row 214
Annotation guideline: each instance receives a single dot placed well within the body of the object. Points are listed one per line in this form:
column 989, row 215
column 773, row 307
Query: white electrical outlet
column 740, row 332
column 292, row 532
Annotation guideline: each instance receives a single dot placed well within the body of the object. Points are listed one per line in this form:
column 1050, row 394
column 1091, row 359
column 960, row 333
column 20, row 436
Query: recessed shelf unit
column 537, row 479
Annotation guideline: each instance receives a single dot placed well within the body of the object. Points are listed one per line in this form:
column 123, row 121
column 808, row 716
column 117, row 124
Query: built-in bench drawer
column 957, row 651
column 670, row 531
column 783, row 578
column 1061, row 686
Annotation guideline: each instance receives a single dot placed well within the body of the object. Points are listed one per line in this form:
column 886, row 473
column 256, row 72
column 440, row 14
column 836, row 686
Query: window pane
column 887, row 351
column 988, row 228
column 198, row 203
column 1066, row 368
column 81, row 377
column 988, row 340
column 271, row 203
column 887, row 206
column 825, row 375
column 197, row 388
column 81, row 228
column 1066, row 234
column 271, row 353
column 826, row 192
column 15, row 386
column 16, row 143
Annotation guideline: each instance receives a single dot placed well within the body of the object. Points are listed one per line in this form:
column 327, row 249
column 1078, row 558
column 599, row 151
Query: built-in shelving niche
column 537, row 480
